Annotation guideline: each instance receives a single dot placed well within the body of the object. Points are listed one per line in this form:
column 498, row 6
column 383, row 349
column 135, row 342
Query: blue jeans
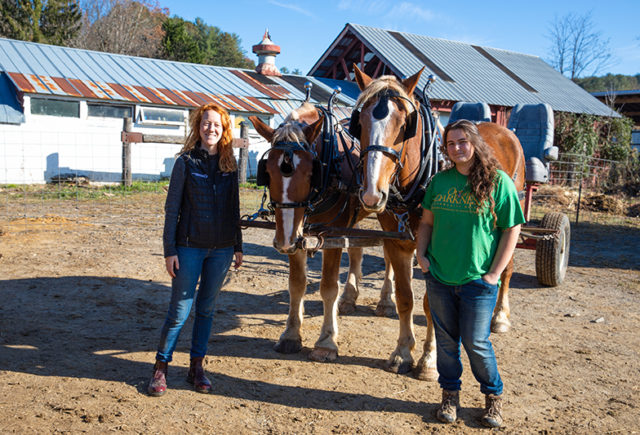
column 463, row 314
column 211, row 266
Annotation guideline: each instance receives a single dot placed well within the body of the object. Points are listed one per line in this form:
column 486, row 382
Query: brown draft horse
column 389, row 158
column 290, row 169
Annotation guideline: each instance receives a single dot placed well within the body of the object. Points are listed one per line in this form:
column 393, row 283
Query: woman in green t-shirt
column 468, row 232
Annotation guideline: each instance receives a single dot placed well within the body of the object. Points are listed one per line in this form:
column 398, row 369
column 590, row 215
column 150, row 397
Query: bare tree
column 122, row 26
column 576, row 46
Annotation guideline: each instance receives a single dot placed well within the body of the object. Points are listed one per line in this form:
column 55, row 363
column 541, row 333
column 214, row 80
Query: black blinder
column 262, row 176
column 411, row 125
column 354, row 124
column 316, row 175
column 286, row 167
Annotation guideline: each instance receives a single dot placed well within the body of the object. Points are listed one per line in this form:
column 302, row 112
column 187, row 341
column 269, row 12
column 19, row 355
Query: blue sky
column 304, row 29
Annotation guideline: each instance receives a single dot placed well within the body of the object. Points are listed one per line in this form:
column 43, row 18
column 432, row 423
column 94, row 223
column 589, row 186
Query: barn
column 62, row 109
column 463, row 72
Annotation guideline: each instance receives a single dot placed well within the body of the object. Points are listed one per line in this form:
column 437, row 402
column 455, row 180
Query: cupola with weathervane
column 267, row 52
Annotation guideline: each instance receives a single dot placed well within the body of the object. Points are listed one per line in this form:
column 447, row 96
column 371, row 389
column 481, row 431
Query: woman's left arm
column 506, row 246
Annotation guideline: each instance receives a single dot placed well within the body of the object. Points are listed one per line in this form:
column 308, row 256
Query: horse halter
column 381, row 111
column 287, row 169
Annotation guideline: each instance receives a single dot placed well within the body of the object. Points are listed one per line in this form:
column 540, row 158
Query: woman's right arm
column 425, row 228
column 172, row 208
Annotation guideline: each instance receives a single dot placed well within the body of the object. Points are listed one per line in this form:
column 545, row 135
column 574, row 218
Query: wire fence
column 581, row 185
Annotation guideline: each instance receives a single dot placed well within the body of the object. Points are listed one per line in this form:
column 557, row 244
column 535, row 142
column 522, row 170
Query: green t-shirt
column 463, row 242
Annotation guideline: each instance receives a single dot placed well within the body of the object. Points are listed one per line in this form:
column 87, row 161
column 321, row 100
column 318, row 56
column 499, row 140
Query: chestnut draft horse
column 391, row 163
column 301, row 193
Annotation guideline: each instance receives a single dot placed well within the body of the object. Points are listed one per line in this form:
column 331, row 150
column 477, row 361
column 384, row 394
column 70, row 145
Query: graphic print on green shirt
column 464, row 242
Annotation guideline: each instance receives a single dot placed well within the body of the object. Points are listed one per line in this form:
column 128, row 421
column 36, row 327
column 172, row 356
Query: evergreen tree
column 179, row 43
column 199, row 42
column 50, row 21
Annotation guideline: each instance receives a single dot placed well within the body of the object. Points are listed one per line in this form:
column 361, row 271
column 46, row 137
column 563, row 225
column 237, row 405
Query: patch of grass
column 43, row 192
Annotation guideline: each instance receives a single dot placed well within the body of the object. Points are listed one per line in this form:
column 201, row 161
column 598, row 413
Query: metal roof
column 467, row 72
column 51, row 70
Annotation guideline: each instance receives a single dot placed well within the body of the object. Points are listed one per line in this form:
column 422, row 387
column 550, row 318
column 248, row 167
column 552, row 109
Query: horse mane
column 382, row 84
column 291, row 128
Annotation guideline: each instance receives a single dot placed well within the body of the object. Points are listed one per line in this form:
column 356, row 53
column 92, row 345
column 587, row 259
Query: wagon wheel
column 552, row 256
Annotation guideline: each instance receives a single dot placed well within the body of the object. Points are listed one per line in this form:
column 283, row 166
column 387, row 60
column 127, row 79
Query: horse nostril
column 383, row 201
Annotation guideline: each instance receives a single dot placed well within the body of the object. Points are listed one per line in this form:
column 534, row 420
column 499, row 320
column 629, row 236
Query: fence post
column 244, row 153
column 126, row 152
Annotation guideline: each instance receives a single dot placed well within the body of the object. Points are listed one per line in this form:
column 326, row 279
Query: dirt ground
column 84, row 295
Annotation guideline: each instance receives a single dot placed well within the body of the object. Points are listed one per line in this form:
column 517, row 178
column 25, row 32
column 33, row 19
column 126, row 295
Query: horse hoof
column 423, row 373
column 386, row 310
column 322, row 354
column 345, row 307
column 288, row 346
column 500, row 328
column 399, row 366
column 500, row 324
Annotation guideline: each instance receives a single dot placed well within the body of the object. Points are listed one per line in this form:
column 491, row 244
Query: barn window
column 109, row 111
column 159, row 116
column 45, row 106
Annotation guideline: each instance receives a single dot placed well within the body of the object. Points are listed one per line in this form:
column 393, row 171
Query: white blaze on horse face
column 377, row 136
column 290, row 233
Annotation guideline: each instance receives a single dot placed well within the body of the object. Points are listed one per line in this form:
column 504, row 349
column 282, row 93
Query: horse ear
column 411, row 82
column 263, row 129
column 362, row 78
column 312, row 131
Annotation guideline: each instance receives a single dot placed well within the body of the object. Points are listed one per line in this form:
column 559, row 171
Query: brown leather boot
column 158, row 383
column 492, row 416
column 448, row 411
column 197, row 377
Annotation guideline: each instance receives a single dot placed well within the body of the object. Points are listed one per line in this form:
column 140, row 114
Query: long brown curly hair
column 227, row 161
column 483, row 172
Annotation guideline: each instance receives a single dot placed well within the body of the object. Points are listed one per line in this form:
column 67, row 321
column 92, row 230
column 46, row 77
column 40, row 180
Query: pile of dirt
column 605, row 203
column 555, row 196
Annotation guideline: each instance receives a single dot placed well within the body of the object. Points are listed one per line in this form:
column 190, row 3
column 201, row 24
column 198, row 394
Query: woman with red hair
column 201, row 238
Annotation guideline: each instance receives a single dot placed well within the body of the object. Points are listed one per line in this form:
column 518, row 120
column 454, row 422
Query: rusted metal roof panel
column 52, row 85
column 185, row 97
column 173, row 97
column 124, row 94
column 66, row 86
column 261, row 105
column 21, row 82
column 136, row 93
column 150, row 95
column 100, row 93
column 84, row 89
column 40, row 87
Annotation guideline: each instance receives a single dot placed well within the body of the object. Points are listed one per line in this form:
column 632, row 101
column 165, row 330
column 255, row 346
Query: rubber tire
column 552, row 256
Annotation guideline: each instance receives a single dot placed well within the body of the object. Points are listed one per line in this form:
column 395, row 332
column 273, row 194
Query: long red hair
column 227, row 161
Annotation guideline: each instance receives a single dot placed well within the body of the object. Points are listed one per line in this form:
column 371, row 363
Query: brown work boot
column 158, row 383
column 197, row 377
column 492, row 416
column 448, row 411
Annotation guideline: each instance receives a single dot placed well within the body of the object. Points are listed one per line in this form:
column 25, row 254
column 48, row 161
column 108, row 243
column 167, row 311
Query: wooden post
column 126, row 153
column 244, row 153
